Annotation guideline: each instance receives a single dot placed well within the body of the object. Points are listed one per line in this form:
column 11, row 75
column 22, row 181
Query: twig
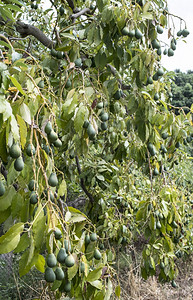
column 82, row 181
column 80, row 13
column 114, row 72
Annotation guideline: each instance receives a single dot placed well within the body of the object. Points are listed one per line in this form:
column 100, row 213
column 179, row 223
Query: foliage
column 182, row 92
column 90, row 106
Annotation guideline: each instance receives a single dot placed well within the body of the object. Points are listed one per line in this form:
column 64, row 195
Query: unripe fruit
column 59, row 273
column 131, row 33
column 104, row 126
column 82, row 267
column 61, row 10
column 104, row 117
column 138, row 34
column 160, row 72
column 52, row 136
column 91, row 131
column 149, row 80
column 51, row 260
column 67, row 246
column 62, row 255
column 48, row 127
column 19, row 164
column 15, row 151
column 86, row 123
column 53, row 52
column 156, row 96
column 125, row 30
column 2, row 189
column 67, row 287
column 58, row 143
column 57, row 234
column 68, row 83
column 185, row 32
column 41, row 84
column 53, row 180
column 78, row 62
column 155, row 44
column 32, row 185
column 97, row 254
column 170, row 52
column 49, row 275
column 69, row 261
column 93, row 237
column 159, row 29
column 33, row 198
column 87, row 239
column 30, row 150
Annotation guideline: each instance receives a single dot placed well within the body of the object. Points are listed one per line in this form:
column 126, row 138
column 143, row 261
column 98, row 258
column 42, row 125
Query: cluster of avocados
column 93, row 238
column 132, row 33
column 57, row 265
column 52, row 135
column 15, row 152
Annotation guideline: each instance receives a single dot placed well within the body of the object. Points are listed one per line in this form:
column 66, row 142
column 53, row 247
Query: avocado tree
column 84, row 100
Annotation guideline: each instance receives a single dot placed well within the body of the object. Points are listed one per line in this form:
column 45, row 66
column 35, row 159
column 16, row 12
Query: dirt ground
column 135, row 288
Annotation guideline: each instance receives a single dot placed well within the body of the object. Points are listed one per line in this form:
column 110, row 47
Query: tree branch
column 26, row 29
column 114, row 72
column 82, row 181
column 80, row 13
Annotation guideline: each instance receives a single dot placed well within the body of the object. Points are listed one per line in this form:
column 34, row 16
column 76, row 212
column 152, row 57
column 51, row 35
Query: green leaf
column 62, row 191
column 94, row 275
column 10, row 240
column 109, row 290
column 97, row 284
column 39, row 227
column 5, row 108
column 22, row 130
column 23, row 243
column 40, row 263
column 17, row 85
column 14, row 128
column 80, row 117
column 25, row 113
column 100, row 60
column 72, row 271
column 6, row 199
column 118, row 291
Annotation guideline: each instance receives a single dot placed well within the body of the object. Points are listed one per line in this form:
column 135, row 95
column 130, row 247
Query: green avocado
column 69, row 261
column 15, row 151
column 19, row 164
column 59, row 273
column 104, row 117
column 30, row 150
column 53, row 180
column 62, row 255
column 93, row 237
column 51, row 260
column 97, row 254
column 91, row 131
column 52, row 136
column 78, row 62
column 57, row 234
column 138, row 34
column 33, row 198
column 32, row 185
column 2, row 188
column 48, row 127
column 49, row 275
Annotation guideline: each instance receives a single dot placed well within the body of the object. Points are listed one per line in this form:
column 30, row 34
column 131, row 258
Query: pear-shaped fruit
column 59, row 54
column 138, row 34
column 49, row 275
column 69, row 261
column 52, row 136
column 100, row 105
column 59, row 273
column 67, row 246
column 53, row 180
column 91, row 131
column 33, row 198
column 82, row 267
column 164, row 135
column 93, row 237
column 155, row 44
column 32, row 185
column 104, row 126
column 159, row 29
column 117, row 95
column 165, row 52
column 15, row 151
column 159, row 51
column 68, row 83
column 125, row 30
column 155, row 171
column 156, row 96
column 160, row 72
column 78, row 62
column 131, row 33
column 86, row 123
column 179, row 33
column 149, row 80
column 41, row 84
column 53, row 53
column 67, row 286
column 19, row 164
column 57, row 234
column 62, row 255
column 30, row 150
column 58, row 143
column 2, row 188
column 97, row 254
column 61, row 10
column 87, row 239
column 48, row 127
column 170, row 52
column 185, row 32
column 51, row 260
column 104, row 117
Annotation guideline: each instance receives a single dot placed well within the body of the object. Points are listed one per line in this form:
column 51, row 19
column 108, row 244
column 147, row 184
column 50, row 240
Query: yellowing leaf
column 22, row 130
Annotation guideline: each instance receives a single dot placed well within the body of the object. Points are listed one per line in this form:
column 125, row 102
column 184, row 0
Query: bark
column 26, row 29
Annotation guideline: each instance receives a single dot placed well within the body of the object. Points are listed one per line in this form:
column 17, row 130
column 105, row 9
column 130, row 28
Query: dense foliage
column 182, row 90
column 85, row 102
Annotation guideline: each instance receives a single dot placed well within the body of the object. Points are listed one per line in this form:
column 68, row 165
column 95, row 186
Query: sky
column 183, row 56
